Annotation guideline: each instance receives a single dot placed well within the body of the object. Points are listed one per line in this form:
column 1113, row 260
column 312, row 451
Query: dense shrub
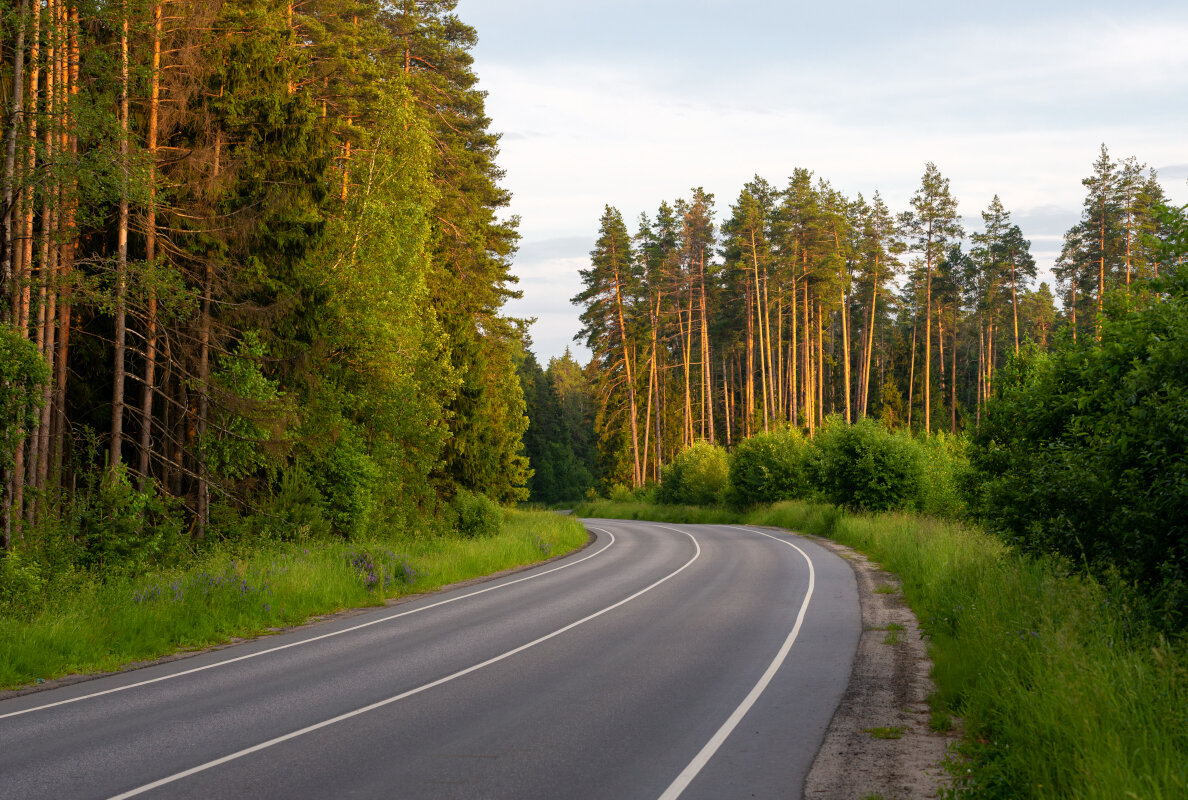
column 476, row 515
column 945, row 477
column 117, row 526
column 22, row 374
column 346, row 476
column 769, row 467
column 866, row 467
column 1085, row 451
column 695, row 477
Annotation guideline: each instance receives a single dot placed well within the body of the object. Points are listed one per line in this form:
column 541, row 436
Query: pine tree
column 932, row 224
column 611, row 288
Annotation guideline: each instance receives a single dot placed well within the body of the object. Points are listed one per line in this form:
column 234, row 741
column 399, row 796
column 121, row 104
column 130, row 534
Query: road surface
column 663, row 661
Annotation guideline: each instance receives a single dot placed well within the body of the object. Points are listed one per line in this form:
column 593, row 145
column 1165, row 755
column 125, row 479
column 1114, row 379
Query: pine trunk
column 150, row 254
column 121, row 283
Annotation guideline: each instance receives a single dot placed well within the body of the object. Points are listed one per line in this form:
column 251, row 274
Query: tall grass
column 96, row 625
column 1064, row 694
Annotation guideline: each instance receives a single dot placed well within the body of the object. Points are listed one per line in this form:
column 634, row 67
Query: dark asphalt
column 602, row 675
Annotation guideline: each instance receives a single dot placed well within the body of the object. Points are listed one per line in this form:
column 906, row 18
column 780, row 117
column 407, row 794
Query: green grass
column 1063, row 693
column 894, row 634
column 96, row 626
column 894, row 732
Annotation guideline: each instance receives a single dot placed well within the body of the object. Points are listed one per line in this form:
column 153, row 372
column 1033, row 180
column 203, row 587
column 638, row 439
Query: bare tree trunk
column 121, row 287
column 928, row 349
column 39, row 448
column 69, row 145
column 707, row 373
column 150, row 254
column 637, row 475
column 792, row 356
column 726, row 399
column 7, row 283
column 810, row 414
column 820, row 367
column 912, row 369
column 845, row 322
column 759, row 320
column 687, row 359
column 749, row 393
column 769, row 405
column 203, row 504
column 1015, row 300
column 869, row 344
column 648, row 410
column 953, row 371
column 940, row 340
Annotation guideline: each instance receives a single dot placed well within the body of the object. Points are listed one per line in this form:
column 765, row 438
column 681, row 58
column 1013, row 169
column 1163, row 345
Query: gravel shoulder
column 886, row 697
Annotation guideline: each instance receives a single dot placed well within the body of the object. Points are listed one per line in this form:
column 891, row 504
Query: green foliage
column 696, row 476
column 558, row 440
column 475, row 515
column 345, row 476
column 118, row 527
column 22, row 374
column 22, row 582
column 1085, row 451
column 866, row 467
column 769, row 467
column 252, row 414
column 945, row 475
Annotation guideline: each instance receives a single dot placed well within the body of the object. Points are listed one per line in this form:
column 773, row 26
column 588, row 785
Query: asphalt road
column 698, row 661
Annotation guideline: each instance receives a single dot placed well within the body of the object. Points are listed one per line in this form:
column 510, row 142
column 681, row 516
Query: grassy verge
column 96, row 626
column 1064, row 695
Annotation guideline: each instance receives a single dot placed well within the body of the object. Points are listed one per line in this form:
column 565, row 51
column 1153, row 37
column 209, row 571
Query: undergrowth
column 1064, row 691
column 88, row 623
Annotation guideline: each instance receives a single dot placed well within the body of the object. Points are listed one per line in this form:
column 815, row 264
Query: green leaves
column 1085, row 452
column 23, row 372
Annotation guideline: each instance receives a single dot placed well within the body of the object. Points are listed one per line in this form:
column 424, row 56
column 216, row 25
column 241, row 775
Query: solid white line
column 702, row 758
column 341, row 717
column 278, row 648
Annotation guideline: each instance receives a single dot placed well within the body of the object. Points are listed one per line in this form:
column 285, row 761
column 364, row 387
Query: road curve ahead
column 663, row 661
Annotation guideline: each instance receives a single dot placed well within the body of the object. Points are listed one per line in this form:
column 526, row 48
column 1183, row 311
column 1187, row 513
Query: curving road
column 663, row 661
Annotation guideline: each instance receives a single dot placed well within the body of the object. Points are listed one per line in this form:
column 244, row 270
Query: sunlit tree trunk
column 845, row 317
column 953, row 383
column 8, row 288
column 69, row 144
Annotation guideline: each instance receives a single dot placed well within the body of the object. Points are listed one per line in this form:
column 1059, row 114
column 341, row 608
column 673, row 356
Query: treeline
column 252, row 265
column 803, row 303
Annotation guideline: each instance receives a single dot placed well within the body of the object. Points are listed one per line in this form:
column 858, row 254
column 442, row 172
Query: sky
column 632, row 102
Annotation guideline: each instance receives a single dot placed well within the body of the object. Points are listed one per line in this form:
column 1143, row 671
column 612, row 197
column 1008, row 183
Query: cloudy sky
column 630, row 102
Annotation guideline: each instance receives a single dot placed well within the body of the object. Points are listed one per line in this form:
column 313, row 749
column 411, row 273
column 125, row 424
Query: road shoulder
column 880, row 743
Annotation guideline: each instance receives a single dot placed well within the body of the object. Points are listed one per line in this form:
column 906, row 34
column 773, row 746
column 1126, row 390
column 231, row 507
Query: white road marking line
column 278, row 648
column 702, row 758
column 388, row 701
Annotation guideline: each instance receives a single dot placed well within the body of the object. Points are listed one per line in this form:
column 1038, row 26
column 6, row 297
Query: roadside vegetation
column 1065, row 690
column 81, row 620
column 1044, row 550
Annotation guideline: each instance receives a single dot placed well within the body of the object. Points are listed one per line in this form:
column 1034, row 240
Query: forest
column 803, row 303
column 830, row 322
column 253, row 263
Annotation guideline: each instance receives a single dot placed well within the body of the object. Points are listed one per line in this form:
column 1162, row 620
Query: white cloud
column 1002, row 107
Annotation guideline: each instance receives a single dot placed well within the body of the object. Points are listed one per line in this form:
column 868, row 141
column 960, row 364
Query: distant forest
column 803, row 303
